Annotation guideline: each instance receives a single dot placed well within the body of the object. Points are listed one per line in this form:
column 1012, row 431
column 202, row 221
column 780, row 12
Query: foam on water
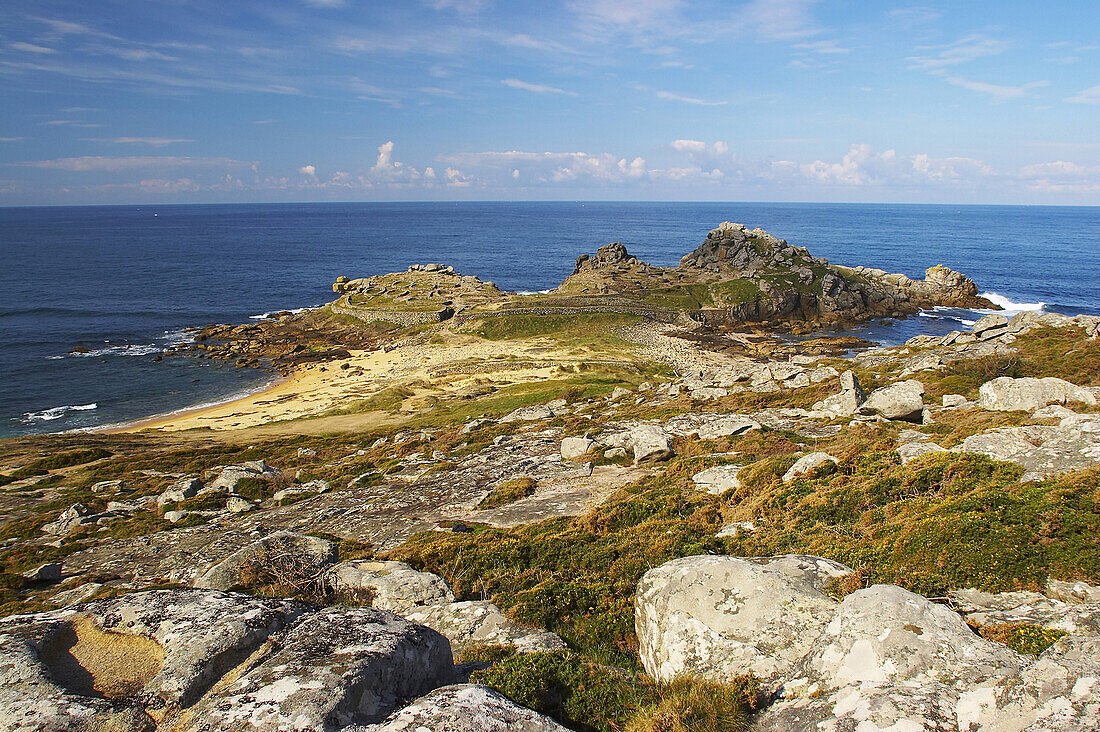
column 49, row 415
column 1010, row 307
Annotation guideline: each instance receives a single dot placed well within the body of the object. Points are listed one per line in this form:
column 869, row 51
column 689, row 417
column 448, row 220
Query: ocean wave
column 49, row 415
column 272, row 313
column 127, row 350
column 1009, row 305
column 534, row 292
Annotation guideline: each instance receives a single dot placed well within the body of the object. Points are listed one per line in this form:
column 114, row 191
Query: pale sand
column 316, row 389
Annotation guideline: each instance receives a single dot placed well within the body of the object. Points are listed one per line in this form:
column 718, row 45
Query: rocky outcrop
column 610, row 255
column 719, row 479
column 845, row 403
column 721, row 617
column 333, row 668
column 464, row 708
column 1042, row 450
column 1007, row 394
column 297, row 556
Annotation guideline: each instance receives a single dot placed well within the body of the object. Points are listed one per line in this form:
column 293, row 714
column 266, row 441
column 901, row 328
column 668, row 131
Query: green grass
column 593, row 331
column 43, row 465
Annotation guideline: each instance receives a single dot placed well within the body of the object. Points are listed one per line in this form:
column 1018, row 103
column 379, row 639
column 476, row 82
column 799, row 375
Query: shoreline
column 156, row 421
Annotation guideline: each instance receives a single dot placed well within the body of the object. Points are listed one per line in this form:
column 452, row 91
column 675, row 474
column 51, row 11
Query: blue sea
column 125, row 282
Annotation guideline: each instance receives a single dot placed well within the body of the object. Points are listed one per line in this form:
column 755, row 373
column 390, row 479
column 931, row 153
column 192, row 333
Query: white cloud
column 1061, row 176
column 69, row 123
column 998, row 92
column 687, row 100
column 153, row 141
column 385, row 157
column 11, row 139
column 309, row 170
column 30, row 47
column 1087, row 96
column 459, row 6
column 828, row 47
column 914, row 15
column 966, row 49
column 537, row 88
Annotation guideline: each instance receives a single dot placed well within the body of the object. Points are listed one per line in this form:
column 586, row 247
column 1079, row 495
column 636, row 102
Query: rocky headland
column 620, row 505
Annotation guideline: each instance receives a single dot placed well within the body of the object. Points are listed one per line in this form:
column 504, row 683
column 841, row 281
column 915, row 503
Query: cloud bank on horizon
column 995, row 101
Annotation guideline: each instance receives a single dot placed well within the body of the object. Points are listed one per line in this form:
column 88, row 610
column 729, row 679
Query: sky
column 200, row 101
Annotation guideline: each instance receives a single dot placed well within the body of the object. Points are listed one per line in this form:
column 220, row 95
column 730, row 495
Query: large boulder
column 336, row 667
column 393, row 586
column 231, row 475
column 903, row 400
column 721, row 617
column 863, row 708
column 463, row 708
column 296, row 556
column 650, row 443
column 885, row 635
column 913, row 450
column 573, row 448
column 1042, row 450
column 1006, row 394
column 479, row 622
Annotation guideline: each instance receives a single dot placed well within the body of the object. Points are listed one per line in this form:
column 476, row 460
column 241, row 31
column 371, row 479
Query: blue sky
column 180, row 101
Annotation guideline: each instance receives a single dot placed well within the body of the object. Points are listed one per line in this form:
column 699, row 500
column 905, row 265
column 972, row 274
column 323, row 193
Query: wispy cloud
column 537, row 88
column 1087, row 96
column 998, row 92
column 30, row 47
column 89, row 163
column 11, row 139
column 966, row 49
column 671, row 96
column 152, row 141
column 68, row 123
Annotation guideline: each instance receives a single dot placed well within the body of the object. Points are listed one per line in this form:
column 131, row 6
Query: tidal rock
column 304, row 557
column 333, row 668
column 903, row 400
column 1006, row 394
column 807, row 463
column 721, row 617
column 576, row 447
column 463, row 708
column 719, row 479
column 479, row 622
column 393, row 586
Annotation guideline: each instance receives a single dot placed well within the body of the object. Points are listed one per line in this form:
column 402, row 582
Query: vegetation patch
column 43, row 465
column 509, row 491
column 1025, row 639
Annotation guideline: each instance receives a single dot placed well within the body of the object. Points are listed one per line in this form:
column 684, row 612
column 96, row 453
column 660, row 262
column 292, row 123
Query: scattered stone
column 847, row 402
column 475, row 424
column 236, row 504
column 174, row 517
column 807, row 463
column 313, row 487
column 719, row 479
column 528, row 414
column 479, row 622
column 108, row 486
column 180, row 491
column 954, row 401
column 913, row 450
column 75, row 515
column 306, row 452
column 573, row 448
column 737, row 528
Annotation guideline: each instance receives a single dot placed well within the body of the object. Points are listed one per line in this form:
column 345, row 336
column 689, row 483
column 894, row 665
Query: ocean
column 124, row 282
